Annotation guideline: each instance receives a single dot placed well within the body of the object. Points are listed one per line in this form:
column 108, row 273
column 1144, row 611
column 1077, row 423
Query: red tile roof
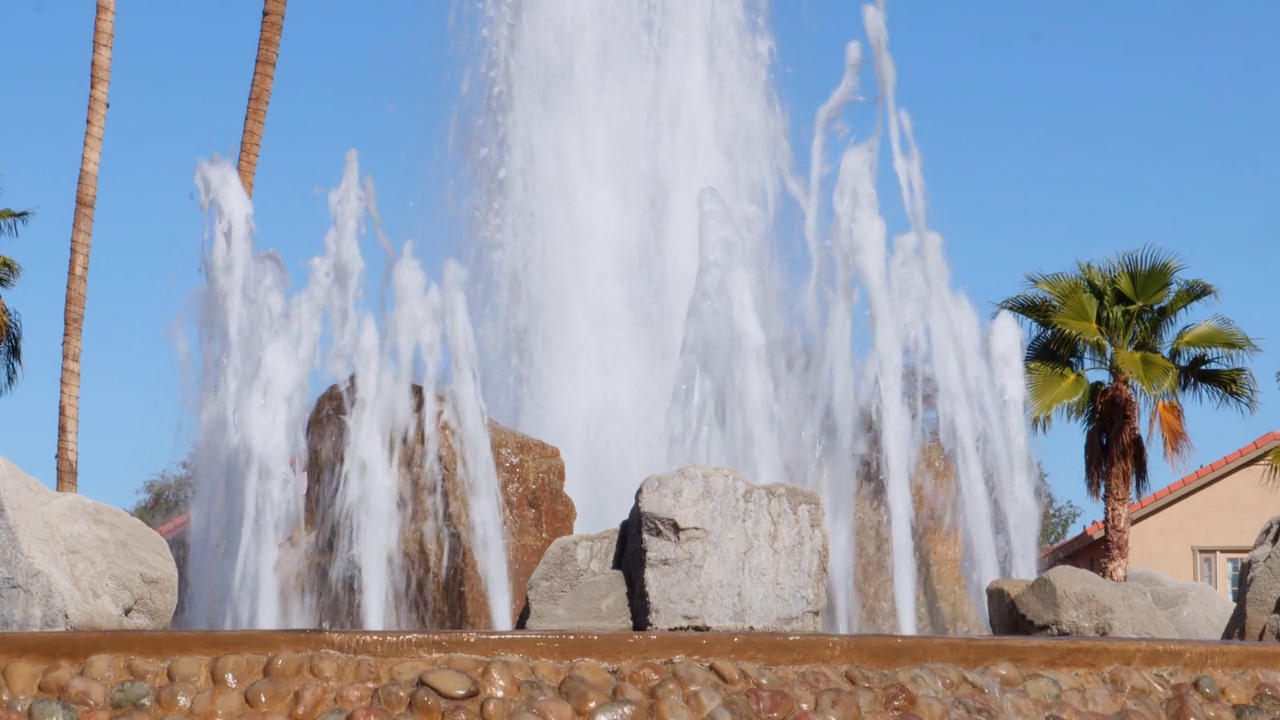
column 171, row 529
column 1087, row 535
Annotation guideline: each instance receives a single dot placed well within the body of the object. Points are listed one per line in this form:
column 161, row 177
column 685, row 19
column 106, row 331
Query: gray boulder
column 1071, row 601
column 578, row 586
column 1194, row 610
column 1257, row 612
column 704, row 549
column 1003, row 610
column 69, row 563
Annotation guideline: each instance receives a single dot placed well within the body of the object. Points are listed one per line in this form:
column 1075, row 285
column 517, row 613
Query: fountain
column 634, row 306
column 652, row 285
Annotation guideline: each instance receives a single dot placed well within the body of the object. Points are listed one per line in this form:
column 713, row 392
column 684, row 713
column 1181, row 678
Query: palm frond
column 1034, row 307
column 1154, row 374
column 1205, row 378
column 1146, row 277
column 1057, row 348
column 11, row 220
column 10, row 271
column 1053, row 390
column 1216, row 335
column 10, row 347
column 1167, row 417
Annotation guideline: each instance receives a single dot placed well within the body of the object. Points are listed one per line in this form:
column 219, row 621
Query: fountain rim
column 886, row 652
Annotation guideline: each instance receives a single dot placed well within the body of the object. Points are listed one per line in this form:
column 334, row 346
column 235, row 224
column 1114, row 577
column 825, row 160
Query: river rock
column 447, row 591
column 703, row 549
column 69, row 563
column 1257, row 611
column 579, row 586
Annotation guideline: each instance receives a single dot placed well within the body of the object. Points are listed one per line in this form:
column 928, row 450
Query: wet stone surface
column 330, row 686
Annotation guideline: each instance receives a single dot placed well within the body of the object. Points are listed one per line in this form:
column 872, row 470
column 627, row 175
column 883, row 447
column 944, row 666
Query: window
column 1208, row 569
column 1233, row 577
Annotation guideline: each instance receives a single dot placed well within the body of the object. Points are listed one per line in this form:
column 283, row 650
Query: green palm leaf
column 1146, row 277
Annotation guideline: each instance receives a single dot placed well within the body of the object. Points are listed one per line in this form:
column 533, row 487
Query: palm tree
column 81, row 237
column 10, row 320
column 264, row 70
column 1108, row 345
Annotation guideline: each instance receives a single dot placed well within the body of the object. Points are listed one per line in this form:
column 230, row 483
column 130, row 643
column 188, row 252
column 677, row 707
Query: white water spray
column 636, row 306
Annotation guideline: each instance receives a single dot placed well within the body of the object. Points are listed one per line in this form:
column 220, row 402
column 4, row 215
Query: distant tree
column 1057, row 517
column 1108, row 345
column 10, row 320
column 165, row 496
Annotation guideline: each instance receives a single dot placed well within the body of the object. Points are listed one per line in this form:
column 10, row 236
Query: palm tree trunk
column 1116, row 522
column 264, row 71
column 81, row 237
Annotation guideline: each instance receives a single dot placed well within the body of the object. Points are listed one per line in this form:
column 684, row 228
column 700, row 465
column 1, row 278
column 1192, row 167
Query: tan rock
column 450, row 684
column 85, row 692
column 446, row 592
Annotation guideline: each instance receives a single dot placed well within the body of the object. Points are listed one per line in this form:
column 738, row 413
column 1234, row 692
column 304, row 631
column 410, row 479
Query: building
column 176, row 533
column 1198, row 528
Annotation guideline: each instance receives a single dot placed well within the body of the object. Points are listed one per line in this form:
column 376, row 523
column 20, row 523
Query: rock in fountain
column 69, row 563
column 702, row 549
column 441, row 580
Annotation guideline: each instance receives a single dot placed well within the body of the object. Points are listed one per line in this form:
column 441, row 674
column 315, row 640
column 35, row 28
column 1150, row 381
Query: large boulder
column 441, row 573
column 703, row 549
column 1195, row 610
column 69, row 563
column 1257, row 612
column 1071, row 601
column 579, row 586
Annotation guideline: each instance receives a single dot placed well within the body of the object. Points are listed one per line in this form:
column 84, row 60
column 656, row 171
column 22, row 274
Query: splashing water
column 635, row 306
column 261, row 348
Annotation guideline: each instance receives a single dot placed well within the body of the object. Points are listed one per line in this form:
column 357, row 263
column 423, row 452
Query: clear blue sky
column 1050, row 131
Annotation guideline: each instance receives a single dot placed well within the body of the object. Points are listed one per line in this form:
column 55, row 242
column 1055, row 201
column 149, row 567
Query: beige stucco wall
column 1225, row 515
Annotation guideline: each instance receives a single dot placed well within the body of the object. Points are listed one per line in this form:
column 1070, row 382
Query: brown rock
column 469, row 664
column 668, row 687
column 704, row 700
column 85, row 692
column 727, row 671
column 458, row 712
column 899, row 698
column 219, row 703
column 929, row 708
column 837, row 704
column 352, row 696
column 549, row 671
column 498, row 679
column 148, row 671
column 268, row 694
column 537, row 689
column 191, row 670
column 627, row 691
column 426, row 704
column 176, row 698
column 448, row 591
column 104, row 668
column 494, row 708
column 669, row 709
column 330, row 667
column 619, row 710
column 307, row 700
column 583, row 696
column 770, row 704
column 694, row 677
column 593, row 673
column 56, row 676
column 552, row 709
column 22, row 678
column 232, row 671
column 450, row 684
column 407, row 672
column 393, row 696
column 369, row 713
column 644, row 675
column 284, row 666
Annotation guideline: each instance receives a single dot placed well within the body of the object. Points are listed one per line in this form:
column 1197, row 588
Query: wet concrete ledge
column 870, row 651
